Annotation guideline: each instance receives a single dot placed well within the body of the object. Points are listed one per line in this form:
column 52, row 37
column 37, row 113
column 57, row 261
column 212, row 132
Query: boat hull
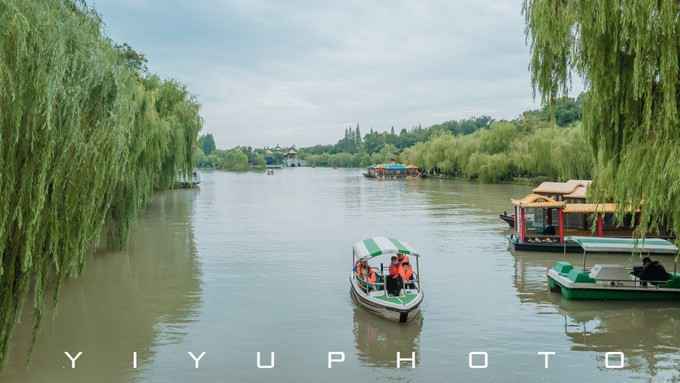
column 401, row 315
column 510, row 220
column 556, row 247
column 589, row 291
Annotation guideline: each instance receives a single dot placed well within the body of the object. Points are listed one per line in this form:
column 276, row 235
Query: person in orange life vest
column 359, row 269
column 394, row 282
column 406, row 274
column 402, row 258
column 371, row 278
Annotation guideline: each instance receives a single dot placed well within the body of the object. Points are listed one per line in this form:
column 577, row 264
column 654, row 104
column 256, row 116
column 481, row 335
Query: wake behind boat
column 393, row 293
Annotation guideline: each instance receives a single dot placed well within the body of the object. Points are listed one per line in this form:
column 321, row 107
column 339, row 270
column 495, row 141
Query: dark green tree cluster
column 206, row 143
column 86, row 137
column 240, row 158
column 528, row 147
column 355, row 150
column 628, row 54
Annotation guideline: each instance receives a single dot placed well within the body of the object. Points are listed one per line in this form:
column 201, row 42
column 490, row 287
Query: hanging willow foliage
column 627, row 51
column 85, row 138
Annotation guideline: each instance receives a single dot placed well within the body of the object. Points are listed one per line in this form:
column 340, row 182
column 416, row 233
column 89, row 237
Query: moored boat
column 554, row 211
column 611, row 281
column 374, row 297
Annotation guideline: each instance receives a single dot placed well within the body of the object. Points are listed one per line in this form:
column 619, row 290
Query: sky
column 294, row 72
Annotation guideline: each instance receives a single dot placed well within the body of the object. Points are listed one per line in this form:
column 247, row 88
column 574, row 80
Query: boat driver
column 651, row 271
column 394, row 282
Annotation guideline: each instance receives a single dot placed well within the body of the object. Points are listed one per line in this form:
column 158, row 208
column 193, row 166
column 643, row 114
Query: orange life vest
column 360, row 269
column 402, row 259
column 406, row 273
column 395, row 270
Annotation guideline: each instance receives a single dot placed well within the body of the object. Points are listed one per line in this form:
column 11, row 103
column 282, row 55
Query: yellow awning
column 535, row 200
column 584, row 208
column 562, row 187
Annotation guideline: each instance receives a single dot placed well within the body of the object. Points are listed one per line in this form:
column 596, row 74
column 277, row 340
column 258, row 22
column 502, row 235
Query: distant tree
column 207, row 143
column 358, row 135
column 135, row 60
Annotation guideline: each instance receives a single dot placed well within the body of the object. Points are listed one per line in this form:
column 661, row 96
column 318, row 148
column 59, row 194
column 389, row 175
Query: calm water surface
column 259, row 263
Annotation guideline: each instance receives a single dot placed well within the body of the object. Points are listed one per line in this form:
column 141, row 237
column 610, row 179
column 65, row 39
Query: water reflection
column 648, row 333
column 125, row 302
column 377, row 340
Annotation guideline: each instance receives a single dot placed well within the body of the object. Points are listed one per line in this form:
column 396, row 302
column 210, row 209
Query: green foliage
column 506, row 150
column 234, row 160
column 240, row 158
column 377, row 147
column 86, row 136
column 207, row 143
column 628, row 53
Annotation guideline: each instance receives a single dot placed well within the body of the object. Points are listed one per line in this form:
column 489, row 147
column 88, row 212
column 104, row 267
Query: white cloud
column 296, row 72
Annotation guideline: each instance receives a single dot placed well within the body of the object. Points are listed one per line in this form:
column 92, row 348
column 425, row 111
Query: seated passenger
column 651, row 271
column 359, row 269
column 402, row 258
column 371, row 278
column 406, row 274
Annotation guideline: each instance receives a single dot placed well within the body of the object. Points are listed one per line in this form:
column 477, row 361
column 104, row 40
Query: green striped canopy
column 624, row 245
column 374, row 247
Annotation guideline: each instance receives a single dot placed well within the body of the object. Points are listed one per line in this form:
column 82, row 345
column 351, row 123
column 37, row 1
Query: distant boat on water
column 392, row 170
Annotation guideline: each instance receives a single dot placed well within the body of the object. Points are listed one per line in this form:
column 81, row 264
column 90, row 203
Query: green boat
column 612, row 281
column 376, row 252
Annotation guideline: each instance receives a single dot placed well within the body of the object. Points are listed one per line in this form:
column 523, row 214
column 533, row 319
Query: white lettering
column 272, row 357
column 196, row 360
column 617, row 354
column 412, row 359
column 546, row 354
column 73, row 359
column 331, row 358
column 486, row 359
column 134, row 360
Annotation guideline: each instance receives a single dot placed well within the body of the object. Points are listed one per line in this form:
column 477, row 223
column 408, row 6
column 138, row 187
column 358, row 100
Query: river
column 255, row 263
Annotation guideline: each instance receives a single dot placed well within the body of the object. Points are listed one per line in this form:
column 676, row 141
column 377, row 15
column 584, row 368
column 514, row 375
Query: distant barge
column 392, row 170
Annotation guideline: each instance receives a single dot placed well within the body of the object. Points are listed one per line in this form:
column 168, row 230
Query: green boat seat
column 579, row 276
column 563, row 267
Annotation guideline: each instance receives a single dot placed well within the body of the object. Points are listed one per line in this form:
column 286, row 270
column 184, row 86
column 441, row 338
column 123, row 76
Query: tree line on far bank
column 546, row 143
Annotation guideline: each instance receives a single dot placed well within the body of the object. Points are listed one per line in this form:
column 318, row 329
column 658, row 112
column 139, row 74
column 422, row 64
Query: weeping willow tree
column 627, row 52
column 86, row 136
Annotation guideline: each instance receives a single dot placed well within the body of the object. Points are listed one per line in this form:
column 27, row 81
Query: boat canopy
column 624, row 245
column 377, row 246
column 568, row 189
column 536, row 200
column 391, row 166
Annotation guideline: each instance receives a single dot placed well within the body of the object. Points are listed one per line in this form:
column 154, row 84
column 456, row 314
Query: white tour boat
column 376, row 252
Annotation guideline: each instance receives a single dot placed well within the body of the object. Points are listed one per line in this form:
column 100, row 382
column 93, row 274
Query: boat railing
column 635, row 281
column 415, row 282
column 635, row 284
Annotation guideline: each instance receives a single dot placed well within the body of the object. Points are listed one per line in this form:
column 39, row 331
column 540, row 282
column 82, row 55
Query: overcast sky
column 299, row 72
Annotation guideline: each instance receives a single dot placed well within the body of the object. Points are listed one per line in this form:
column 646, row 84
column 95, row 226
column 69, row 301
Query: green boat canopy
column 377, row 246
column 624, row 245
